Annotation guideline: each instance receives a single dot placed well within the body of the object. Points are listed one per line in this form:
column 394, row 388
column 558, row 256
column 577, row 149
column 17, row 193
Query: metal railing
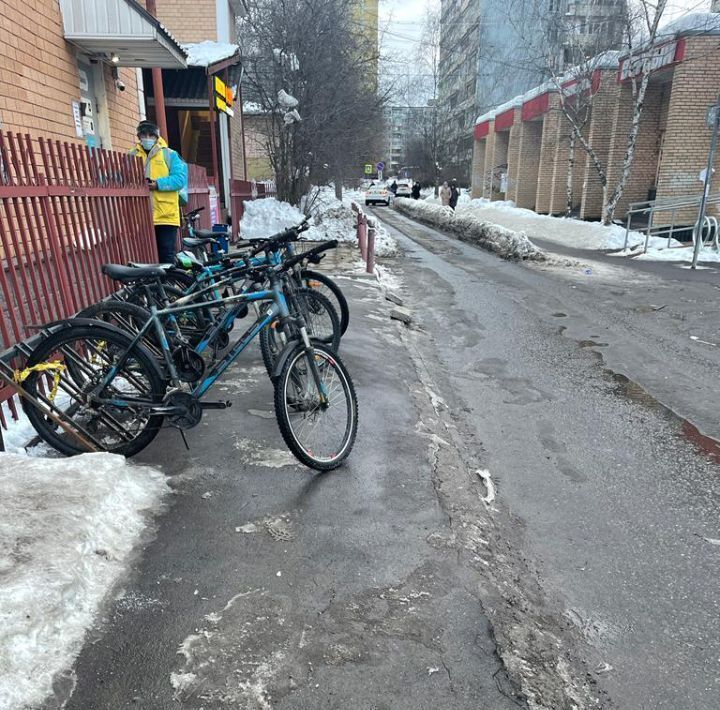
column 66, row 209
column 669, row 226
column 366, row 231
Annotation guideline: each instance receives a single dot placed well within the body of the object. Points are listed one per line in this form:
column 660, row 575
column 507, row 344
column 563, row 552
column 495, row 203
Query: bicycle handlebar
column 298, row 258
column 280, row 238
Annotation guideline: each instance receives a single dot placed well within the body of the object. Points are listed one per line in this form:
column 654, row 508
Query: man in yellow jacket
column 167, row 176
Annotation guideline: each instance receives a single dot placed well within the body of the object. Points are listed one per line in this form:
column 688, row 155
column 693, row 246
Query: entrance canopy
column 121, row 31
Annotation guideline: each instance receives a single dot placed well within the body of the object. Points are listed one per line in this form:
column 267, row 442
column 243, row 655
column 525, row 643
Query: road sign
column 368, row 169
column 380, row 166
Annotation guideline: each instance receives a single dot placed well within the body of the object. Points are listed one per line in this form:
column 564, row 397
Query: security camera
column 119, row 84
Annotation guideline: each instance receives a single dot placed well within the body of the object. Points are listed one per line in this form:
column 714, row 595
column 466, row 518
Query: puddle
column 703, row 444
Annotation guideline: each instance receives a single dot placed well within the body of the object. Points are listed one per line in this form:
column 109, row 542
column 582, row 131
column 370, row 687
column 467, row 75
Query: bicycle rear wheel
column 320, row 436
column 87, row 352
column 328, row 288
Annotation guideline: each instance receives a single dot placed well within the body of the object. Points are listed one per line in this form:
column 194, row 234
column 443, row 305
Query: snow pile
column 263, row 218
column 329, row 219
column 203, row 54
column 468, row 227
column 567, row 231
column 67, row 530
column 19, row 433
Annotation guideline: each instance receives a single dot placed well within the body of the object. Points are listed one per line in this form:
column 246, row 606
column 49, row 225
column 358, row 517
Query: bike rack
column 7, row 376
column 651, row 208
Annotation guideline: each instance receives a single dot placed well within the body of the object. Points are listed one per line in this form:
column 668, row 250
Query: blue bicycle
column 111, row 389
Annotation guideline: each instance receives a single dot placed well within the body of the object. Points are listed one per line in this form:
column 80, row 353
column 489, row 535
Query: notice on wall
column 77, row 118
column 214, row 211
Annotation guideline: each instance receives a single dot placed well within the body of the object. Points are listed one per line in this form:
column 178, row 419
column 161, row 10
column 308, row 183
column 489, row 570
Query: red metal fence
column 65, row 210
column 199, row 194
column 242, row 191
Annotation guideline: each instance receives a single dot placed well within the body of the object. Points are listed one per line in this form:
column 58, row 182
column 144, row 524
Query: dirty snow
column 258, row 455
column 67, row 531
column 471, row 227
column 565, row 231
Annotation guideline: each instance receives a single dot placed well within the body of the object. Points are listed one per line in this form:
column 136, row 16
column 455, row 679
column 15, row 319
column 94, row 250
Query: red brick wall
column 600, row 138
column 548, row 151
column 489, row 156
column 39, row 77
column 513, row 156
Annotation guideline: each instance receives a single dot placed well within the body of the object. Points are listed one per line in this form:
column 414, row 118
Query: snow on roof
column 692, row 23
column 606, row 60
column 203, row 54
column 515, row 102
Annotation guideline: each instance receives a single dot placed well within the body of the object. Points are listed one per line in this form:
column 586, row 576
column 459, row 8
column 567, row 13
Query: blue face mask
column 148, row 143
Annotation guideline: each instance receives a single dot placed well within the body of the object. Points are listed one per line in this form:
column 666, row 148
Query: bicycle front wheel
column 321, row 435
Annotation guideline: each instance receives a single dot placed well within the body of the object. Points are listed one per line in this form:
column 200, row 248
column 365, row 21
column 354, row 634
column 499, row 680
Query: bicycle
column 118, row 397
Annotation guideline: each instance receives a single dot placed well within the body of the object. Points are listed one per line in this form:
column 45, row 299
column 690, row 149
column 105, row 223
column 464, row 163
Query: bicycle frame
column 278, row 310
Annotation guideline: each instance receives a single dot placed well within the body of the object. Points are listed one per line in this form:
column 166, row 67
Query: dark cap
column 147, row 128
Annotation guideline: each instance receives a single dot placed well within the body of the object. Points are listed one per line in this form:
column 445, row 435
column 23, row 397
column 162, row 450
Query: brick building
column 522, row 147
column 80, row 71
column 207, row 30
column 57, row 84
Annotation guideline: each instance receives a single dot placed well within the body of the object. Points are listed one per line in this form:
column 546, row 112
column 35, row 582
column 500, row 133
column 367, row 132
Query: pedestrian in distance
column 166, row 175
column 393, row 187
column 454, row 195
column 416, row 191
column 445, row 193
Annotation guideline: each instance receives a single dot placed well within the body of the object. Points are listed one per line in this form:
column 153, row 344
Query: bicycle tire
column 285, row 400
column 342, row 308
column 143, row 360
column 271, row 345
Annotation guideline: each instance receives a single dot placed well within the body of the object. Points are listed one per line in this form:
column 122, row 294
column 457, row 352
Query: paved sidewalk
column 266, row 585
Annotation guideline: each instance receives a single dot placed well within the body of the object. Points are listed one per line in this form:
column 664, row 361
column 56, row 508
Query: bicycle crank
column 185, row 412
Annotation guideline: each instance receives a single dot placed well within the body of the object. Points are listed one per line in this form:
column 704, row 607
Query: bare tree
column 311, row 68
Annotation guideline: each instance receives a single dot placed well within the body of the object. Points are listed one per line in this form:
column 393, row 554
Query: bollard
column 370, row 254
column 362, row 236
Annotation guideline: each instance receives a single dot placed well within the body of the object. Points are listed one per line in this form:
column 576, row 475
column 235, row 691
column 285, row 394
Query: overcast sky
column 401, row 23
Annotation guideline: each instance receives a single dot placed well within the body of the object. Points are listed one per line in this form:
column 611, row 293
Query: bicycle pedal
column 216, row 405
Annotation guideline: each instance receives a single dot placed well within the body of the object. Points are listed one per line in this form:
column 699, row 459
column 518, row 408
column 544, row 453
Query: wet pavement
column 265, row 585
column 591, row 397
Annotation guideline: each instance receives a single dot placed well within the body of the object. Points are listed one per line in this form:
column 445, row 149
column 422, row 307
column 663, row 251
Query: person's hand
column 152, row 185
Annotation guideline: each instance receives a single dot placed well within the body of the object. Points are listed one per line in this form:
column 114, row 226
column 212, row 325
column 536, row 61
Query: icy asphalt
column 396, row 582
column 266, row 585
column 564, row 369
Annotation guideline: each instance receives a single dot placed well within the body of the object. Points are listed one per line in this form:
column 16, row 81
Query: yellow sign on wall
column 223, row 97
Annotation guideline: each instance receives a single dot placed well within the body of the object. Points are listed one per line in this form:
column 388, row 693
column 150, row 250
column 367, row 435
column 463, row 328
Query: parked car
column 378, row 194
column 404, row 188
